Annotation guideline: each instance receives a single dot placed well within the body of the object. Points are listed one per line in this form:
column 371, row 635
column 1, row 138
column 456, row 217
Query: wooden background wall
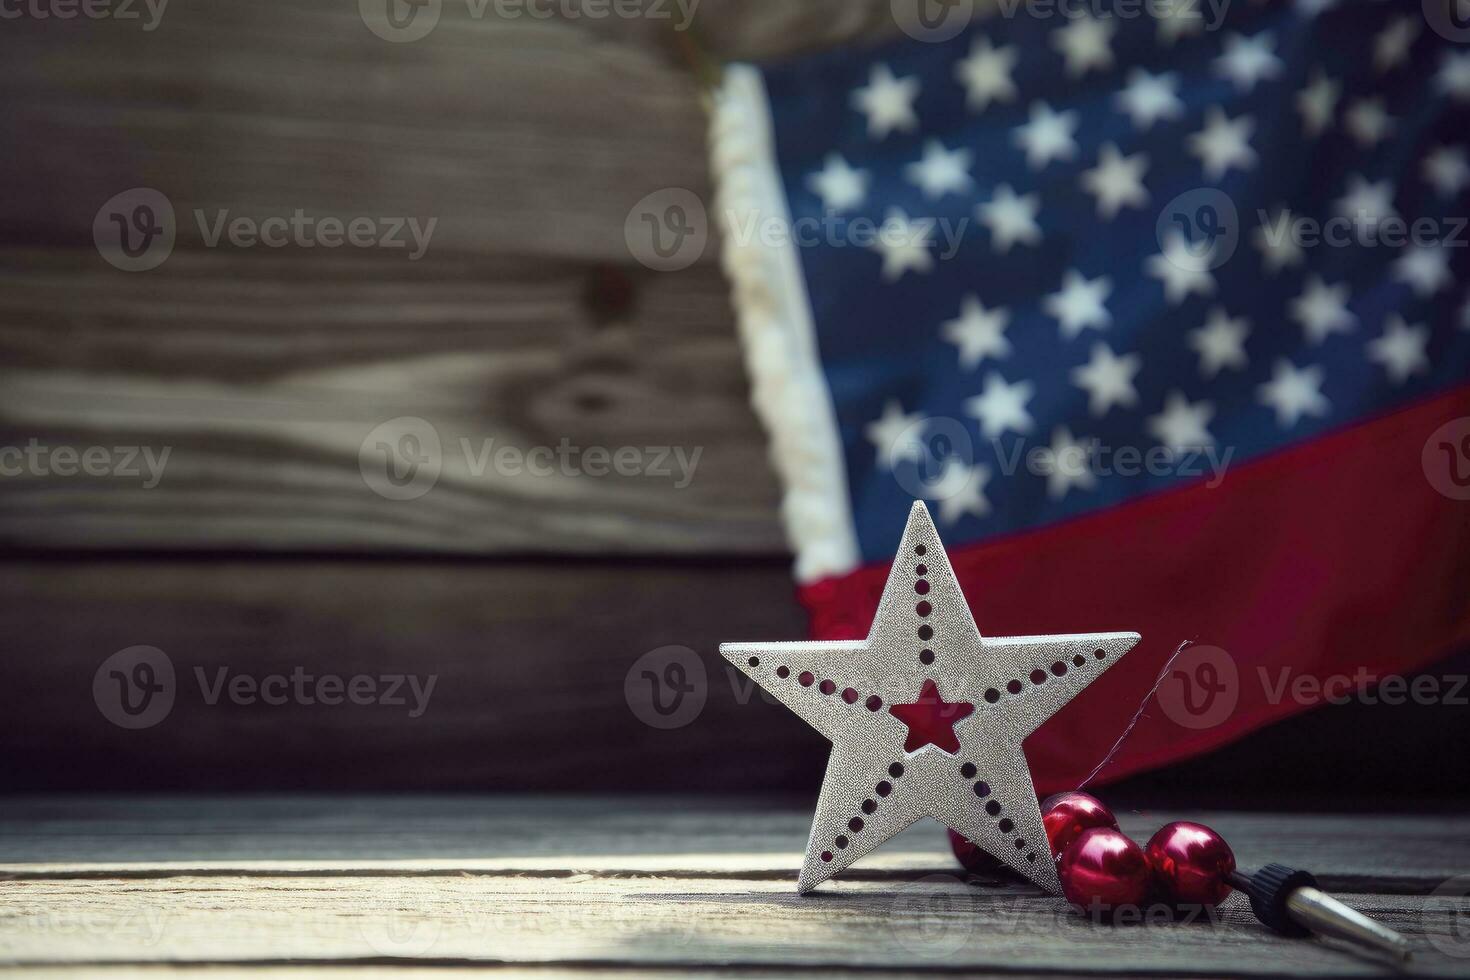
column 527, row 321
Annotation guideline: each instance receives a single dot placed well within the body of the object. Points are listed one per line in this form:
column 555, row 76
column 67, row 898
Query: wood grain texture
column 728, row 836
column 264, row 380
column 263, row 370
column 531, row 660
column 907, row 912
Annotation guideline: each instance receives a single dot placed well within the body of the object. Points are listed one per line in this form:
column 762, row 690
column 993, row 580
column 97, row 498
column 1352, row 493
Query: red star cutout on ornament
column 962, row 763
column 931, row 720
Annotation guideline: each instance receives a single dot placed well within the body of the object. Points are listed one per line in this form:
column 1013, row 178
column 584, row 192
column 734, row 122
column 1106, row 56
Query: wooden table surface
column 579, row 886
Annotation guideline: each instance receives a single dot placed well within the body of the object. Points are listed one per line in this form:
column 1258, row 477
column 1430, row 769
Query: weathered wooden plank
column 379, row 971
column 500, row 637
column 685, row 836
column 268, row 386
column 930, row 922
column 531, row 660
column 523, row 136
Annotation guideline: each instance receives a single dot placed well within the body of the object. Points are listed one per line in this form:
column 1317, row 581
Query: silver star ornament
column 926, row 716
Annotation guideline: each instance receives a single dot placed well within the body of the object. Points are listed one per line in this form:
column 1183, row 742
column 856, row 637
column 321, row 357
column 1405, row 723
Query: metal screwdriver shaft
column 1289, row 901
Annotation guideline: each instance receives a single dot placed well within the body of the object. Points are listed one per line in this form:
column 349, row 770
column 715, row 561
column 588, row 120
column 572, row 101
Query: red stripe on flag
column 1336, row 561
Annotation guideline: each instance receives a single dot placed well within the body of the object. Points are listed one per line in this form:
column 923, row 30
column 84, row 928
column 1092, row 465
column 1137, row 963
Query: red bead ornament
column 1191, row 864
column 1066, row 815
column 975, row 860
column 1102, row 869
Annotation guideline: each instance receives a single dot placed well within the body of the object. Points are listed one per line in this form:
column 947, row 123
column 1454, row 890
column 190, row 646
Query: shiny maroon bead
column 1191, row 864
column 975, row 860
column 1066, row 815
column 1102, row 870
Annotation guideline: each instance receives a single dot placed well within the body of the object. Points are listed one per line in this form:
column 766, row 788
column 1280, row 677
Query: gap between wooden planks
column 576, row 884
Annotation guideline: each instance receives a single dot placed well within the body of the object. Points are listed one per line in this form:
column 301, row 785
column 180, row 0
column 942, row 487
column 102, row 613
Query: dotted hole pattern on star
column 925, row 632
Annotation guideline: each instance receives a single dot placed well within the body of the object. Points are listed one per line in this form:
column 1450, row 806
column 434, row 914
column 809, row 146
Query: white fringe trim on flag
column 775, row 317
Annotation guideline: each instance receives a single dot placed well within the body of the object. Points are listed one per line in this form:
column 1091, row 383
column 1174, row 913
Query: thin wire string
column 1137, row 716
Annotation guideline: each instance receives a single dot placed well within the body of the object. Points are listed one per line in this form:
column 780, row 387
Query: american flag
column 1165, row 316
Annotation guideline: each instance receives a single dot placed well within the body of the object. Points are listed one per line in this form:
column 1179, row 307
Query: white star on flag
column 1011, row 218
column 1086, row 44
column 1368, row 122
column 1221, row 343
column 1150, row 98
column 986, row 74
column 1048, row 136
column 1453, row 79
column 1322, row 310
column 839, row 185
column 1183, row 425
column 1426, row 268
column 1066, row 463
column 1116, row 181
column 905, row 245
column 1224, row 143
column 897, row 436
column 1318, row 103
column 1180, row 270
column 978, row 333
column 942, row 171
column 1080, row 304
column 1108, row 379
column 1371, row 203
column 1001, row 407
column 1277, row 241
column 1391, row 45
column 960, row 490
column 1447, row 170
column 888, row 102
column 1402, row 350
column 1247, row 61
column 1295, row 394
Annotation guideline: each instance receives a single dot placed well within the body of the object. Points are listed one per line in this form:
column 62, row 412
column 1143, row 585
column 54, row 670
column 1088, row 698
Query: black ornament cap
column 1269, row 889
